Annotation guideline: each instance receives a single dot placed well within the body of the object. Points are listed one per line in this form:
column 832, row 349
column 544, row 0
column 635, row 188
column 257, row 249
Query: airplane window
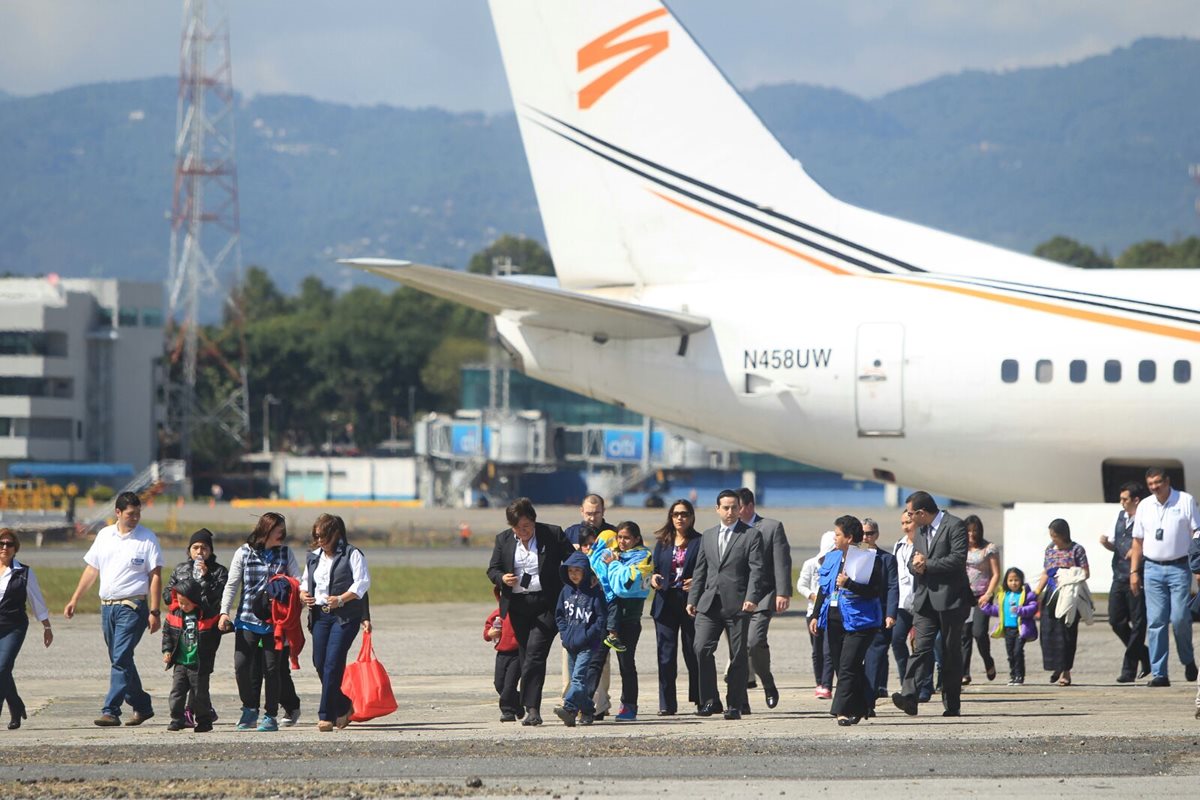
column 1078, row 371
column 1183, row 371
column 1147, row 371
column 1008, row 370
column 1112, row 371
column 1044, row 372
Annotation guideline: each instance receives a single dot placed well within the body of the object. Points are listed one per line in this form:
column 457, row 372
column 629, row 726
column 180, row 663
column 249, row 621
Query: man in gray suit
column 777, row 575
column 941, row 600
column 727, row 585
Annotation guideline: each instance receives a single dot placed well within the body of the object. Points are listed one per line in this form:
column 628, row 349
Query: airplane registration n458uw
column 704, row 279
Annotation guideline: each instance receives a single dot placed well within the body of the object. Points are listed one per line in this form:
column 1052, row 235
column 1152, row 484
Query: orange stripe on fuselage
column 756, row 237
column 1049, row 308
column 1142, row 326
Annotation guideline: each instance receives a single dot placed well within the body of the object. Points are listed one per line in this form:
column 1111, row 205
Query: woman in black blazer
column 674, row 560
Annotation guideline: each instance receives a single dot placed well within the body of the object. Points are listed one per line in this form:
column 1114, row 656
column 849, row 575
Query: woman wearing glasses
column 334, row 587
column 18, row 586
column 674, row 561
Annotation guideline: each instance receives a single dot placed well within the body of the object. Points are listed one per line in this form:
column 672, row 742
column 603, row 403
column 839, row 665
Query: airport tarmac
column 1093, row 738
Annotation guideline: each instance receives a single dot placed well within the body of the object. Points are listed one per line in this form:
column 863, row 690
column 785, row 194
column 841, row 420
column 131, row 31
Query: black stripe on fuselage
column 739, row 200
column 996, row 283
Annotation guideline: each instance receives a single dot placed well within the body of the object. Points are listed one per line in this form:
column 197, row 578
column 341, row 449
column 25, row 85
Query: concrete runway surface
column 1093, row 738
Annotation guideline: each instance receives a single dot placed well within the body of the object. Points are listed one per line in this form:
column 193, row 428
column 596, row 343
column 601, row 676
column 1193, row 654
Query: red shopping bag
column 366, row 684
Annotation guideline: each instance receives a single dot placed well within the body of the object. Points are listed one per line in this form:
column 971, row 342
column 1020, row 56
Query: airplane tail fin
column 649, row 167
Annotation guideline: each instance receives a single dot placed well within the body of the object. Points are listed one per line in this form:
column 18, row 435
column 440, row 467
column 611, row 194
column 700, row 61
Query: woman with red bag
column 333, row 586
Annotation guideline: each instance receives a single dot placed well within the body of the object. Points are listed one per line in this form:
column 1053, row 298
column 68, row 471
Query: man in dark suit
column 877, row 651
column 525, row 566
column 777, row 575
column 941, row 600
column 726, row 588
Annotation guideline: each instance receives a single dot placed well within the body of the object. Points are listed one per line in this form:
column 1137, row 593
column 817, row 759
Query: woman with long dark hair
column 675, row 550
column 983, row 575
column 334, row 587
column 260, row 669
column 1059, row 636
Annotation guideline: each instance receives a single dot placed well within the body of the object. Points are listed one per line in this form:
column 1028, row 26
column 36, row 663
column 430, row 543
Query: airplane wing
column 538, row 306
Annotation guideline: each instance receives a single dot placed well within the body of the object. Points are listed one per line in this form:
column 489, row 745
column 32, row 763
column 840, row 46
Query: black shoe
column 1190, row 672
column 845, row 722
column 1125, row 677
column 203, row 726
column 586, row 718
column 532, row 717
column 567, row 715
column 176, row 725
column 1054, row 676
column 949, row 713
column 708, row 709
column 508, row 716
column 137, row 718
column 600, row 716
column 745, row 709
column 1158, row 681
column 905, row 703
column 772, row 697
column 732, row 714
column 662, row 712
column 1143, row 672
column 870, row 713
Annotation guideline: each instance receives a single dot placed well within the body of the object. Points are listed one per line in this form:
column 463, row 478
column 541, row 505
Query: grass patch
column 389, row 586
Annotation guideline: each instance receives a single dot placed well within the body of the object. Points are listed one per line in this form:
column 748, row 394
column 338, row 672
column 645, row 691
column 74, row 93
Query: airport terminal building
column 78, row 370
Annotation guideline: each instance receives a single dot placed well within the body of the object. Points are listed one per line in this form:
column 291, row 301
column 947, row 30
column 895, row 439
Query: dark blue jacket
column 663, row 553
column 581, row 612
column 891, row 573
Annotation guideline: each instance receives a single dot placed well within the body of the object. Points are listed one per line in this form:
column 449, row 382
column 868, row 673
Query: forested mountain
column 1097, row 151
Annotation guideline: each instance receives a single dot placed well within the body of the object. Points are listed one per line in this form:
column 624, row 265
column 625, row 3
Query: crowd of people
column 935, row 601
column 260, row 599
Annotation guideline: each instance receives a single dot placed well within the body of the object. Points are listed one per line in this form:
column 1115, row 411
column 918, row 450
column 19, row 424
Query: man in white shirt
column 1162, row 533
column 128, row 560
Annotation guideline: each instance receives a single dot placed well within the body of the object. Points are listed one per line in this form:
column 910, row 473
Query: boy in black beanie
column 190, row 641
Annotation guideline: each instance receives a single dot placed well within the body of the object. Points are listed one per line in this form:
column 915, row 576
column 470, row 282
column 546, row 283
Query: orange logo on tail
column 603, row 48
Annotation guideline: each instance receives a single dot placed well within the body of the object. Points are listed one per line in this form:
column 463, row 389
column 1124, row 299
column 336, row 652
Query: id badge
column 1158, row 535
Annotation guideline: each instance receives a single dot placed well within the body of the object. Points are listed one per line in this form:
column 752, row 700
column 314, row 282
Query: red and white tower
column 205, row 233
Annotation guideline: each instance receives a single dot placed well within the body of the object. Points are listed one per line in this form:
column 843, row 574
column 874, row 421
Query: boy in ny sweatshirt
column 581, row 615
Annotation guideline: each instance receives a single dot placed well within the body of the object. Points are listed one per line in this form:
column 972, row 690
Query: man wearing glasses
column 1126, row 610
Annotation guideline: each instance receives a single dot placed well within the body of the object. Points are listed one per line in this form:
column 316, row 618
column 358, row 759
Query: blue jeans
column 10, row 644
column 1167, row 594
column 579, row 693
column 332, row 637
column 123, row 628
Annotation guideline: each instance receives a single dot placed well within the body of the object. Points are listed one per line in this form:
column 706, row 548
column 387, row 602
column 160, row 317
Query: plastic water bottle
column 197, row 566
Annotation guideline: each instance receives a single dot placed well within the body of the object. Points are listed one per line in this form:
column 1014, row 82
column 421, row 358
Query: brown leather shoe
column 324, row 726
column 137, row 718
column 107, row 721
column 343, row 720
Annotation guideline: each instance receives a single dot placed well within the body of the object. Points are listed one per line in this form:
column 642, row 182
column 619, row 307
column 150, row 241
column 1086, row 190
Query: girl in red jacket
column 508, row 663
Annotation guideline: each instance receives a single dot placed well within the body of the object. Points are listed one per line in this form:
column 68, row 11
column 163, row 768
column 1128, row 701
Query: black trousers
column 758, row 650
column 1127, row 618
column 191, row 679
column 928, row 623
column 849, row 649
column 1059, row 642
column 257, row 666
column 630, row 633
column 975, row 631
column 708, row 635
column 876, row 665
column 818, row 658
column 532, row 617
column 675, row 631
column 508, row 672
column 1015, row 646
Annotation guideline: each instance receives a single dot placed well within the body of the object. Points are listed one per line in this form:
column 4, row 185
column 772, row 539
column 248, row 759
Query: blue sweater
column 581, row 611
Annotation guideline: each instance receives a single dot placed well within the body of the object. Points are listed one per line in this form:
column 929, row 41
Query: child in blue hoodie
column 581, row 615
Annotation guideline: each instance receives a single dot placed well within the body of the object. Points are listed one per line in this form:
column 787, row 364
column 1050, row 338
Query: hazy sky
column 443, row 52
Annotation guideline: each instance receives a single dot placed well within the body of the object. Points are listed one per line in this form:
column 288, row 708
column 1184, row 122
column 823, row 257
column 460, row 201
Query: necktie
column 724, row 541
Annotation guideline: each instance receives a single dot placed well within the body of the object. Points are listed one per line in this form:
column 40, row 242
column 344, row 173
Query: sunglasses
column 681, row 513
column 7, row 543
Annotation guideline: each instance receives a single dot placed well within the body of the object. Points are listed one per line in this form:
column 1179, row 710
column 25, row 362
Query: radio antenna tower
column 205, row 226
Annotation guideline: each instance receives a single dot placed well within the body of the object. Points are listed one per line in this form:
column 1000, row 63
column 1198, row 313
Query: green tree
column 1147, row 254
column 1065, row 250
column 527, row 255
column 442, row 374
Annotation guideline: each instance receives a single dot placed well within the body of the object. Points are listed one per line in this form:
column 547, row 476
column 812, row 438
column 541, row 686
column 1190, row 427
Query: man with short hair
column 591, row 513
column 876, row 668
column 941, row 599
column 1162, row 533
column 727, row 586
column 1126, row 610
column 127, row 559
column 777, row 575
column 525, row 567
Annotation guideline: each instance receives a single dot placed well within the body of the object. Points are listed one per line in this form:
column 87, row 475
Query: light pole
column 268, row 401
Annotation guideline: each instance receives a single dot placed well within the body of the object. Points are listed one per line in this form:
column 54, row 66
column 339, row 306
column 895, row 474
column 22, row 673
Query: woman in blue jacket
column 678, row 543
column 852, row 613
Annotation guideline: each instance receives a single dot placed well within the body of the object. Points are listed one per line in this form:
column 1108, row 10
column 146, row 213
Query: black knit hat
column 202, row 535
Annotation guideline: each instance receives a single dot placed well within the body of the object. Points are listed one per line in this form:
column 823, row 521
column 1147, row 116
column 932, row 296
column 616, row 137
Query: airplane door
column 879, row 384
